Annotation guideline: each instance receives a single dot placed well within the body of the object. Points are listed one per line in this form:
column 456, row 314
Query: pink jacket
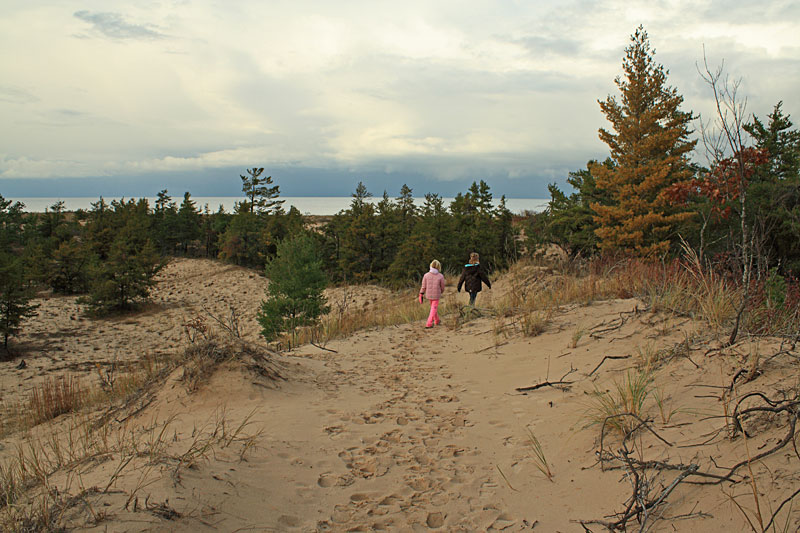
column 432, row 285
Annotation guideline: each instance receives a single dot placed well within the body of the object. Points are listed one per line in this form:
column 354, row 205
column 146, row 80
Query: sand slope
column 408, row 429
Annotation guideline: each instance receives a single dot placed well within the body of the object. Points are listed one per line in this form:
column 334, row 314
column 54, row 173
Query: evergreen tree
column 781, row 142
column 67, row 270
column 244, row 241
column 649, row 150
column 165, row 223
column 359, row 238
column 188, row 223
column 408, row 210
column 125, row 277
column 261, row 198
column 296, row 282
column 427, row 241
column 15, row 296
column 568, row 221
column 99, row 228
column 476, row 227
column 774, row 192
column 15, row 292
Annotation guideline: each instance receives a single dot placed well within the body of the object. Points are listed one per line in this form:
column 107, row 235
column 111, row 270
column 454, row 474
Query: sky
column 120, row 98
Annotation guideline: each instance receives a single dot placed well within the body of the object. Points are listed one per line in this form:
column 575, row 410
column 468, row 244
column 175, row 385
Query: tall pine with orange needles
column 650, row 149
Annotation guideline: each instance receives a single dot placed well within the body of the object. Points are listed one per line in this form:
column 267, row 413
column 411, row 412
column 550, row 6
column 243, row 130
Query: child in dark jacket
column 472, row 276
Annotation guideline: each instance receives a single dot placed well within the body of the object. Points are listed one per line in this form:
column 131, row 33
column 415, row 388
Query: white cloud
column 110, row 87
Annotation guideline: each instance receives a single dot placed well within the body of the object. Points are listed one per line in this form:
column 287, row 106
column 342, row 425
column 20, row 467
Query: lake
column 308, row 205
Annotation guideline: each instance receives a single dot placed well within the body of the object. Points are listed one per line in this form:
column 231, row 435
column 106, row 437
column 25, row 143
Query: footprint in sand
column 289, row 521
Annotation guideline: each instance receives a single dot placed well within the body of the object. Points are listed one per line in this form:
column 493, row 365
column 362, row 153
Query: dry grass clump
column 539, row 458
column 203, row 357
column 209, row 348
column 54, row 397
column 680, row 287
column 534, row 323
column 620, row 407
column 66, row 394
column 398, row 308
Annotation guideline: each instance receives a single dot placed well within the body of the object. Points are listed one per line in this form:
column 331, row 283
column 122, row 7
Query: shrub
column 296, row 282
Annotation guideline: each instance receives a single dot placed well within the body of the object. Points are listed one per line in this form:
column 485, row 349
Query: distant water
column 307, row 205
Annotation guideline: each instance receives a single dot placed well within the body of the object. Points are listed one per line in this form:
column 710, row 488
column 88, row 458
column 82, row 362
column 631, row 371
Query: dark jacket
column 471, row 278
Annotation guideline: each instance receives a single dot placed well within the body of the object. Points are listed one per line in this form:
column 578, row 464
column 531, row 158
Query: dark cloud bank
column 292, row 181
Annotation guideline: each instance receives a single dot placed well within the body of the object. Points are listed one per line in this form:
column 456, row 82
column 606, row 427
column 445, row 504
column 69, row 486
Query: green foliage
column 67, row 270
column 569, row 221
column 393, row 241
column 15, row 291
column 296, row 282
column 15, row 296
column 126, row 276
column 187, row 223
column 165, row 223
column 260, row 197
column 775, row 289
column 774, row 192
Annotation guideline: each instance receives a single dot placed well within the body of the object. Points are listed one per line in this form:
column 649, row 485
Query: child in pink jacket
column 432, row 288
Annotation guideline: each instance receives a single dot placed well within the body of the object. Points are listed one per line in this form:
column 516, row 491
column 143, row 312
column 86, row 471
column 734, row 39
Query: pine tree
column 124, row 278
column 165, row 221
column 649, row 150
column 358, row 252
column 188, row 223
column 15, row 293
column 261, row 198
column 568, row 221
column 15, row 297
column 774, row 192
column 296, row 282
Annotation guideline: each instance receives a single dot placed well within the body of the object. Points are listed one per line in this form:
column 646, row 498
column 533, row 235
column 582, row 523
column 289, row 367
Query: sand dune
column 408, row 429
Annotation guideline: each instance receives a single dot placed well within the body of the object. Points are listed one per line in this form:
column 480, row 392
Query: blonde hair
column 436, row 264
column 474, row 258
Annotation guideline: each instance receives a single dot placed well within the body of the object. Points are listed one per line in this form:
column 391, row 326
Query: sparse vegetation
column 539, row 458
column 624, row 404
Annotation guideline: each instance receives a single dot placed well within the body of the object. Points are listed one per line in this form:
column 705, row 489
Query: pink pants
column 433, row 318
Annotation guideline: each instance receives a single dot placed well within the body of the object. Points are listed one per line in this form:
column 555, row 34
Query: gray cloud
column 114, row 26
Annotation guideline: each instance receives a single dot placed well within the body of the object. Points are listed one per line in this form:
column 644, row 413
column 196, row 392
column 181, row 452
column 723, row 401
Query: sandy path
column 404, row 429
column 408, row 429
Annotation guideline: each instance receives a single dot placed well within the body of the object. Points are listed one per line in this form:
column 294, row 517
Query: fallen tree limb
column 554, row 384
column 640, row 505
column 322, row 347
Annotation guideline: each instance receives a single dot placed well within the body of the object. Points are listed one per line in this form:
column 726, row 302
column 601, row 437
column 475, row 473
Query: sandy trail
column 408, row 429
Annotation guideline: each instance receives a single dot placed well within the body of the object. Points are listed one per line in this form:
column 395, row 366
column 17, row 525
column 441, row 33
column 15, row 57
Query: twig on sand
column 608, row 357
column 555, row 384
column 322, row 347
column 784, row 502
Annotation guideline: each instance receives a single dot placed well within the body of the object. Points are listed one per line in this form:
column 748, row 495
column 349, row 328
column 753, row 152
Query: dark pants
column 472, row 296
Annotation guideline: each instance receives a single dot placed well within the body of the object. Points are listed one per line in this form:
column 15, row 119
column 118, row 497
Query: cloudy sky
column 117, row 97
